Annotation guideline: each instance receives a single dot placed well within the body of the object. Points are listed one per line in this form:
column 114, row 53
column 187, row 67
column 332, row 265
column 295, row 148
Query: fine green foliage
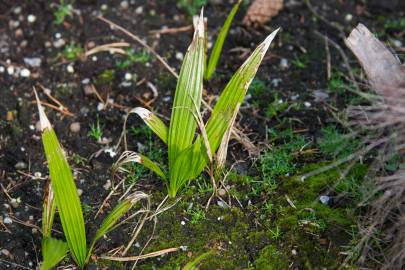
column 63, row 10
column 72, row 52
column 53, row 251
column 216, row 51
column 132, row 58
column 189, row 154
column 63, row 190
column 96, row 131
column 334, row 144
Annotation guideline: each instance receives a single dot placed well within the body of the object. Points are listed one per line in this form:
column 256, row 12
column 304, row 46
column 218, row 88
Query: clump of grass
column 72, row 51
column 197, row 214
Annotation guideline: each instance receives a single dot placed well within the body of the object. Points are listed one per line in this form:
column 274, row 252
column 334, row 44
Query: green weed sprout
column 63, row 10
column 62, row 193
column 188, row 154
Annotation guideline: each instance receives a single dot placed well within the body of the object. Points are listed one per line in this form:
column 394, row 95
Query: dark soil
column 243, row 236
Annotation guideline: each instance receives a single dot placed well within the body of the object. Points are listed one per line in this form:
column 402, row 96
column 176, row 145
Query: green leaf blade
column 66, row 196
column 53, row 251
column 153, row 122
column 189, row 88
column 219, row 43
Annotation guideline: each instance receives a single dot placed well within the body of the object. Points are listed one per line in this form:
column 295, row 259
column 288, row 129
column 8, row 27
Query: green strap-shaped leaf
column 216, row 51
column 63, row 185
column 189, row 87
column 53, row 251
column 153, row 122
column 192, row 161
column 192, row 265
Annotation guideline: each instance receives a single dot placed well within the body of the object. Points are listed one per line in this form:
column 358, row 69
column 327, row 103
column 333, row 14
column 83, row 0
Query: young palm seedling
column 189, row 154
column 61, row 192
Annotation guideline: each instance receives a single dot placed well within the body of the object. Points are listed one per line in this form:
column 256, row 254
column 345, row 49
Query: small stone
column 104, row 7
column 139, row 10
column 222, row 204
column 59, row 43
column 21, row 165
column 25, row 73
column 10, row 70
column 124, row 4
column 320, row 95
column 7, row 220
column 221, row 192
column 94, row 58
column 38, row 126
column 31, row 18
column 15, row 202
column 13, row 24
column 58, row 35
column 348, row 17
column 128, row 76
column 5, row 252
column 37, row 175
column 107, row 185
column 23, row 44
column 33, row 62
column 88, row 90
column 294, row 252
column 79, row 192
column 85, row 81
column 110, row 151
column 91, row 45
column 179, row 56
column 324, row 199
column 75, row 127
column 307, row 104
column 283, row 63
column 2, row 69
column 397, row 43
column 183, row 222
column 18, row 33
column 100, row 106
column 17, row 10
column 70, row 69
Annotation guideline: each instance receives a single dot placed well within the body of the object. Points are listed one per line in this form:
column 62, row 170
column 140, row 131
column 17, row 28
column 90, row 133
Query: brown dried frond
column 261, row 11
column 383, row 119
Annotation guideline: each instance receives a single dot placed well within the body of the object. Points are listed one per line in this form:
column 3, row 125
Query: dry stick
column 172, row 30
column 328, row 65
column 140, row 41
column 135, row 258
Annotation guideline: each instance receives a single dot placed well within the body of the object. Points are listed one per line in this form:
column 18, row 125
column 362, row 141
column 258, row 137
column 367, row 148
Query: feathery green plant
column 189, row 154
column 62, row 193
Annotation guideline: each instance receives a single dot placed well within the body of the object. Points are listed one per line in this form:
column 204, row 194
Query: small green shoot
column 63, row 10
column 191, row 6
column 134, row 57
column 197, row 215
column 334, row 144
column 96, row 131
column 301, row 62
column 72, row 52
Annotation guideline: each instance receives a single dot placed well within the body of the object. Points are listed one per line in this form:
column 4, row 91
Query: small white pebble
column 139, row 10
column 79, row 192
column 31, row 217
column 94, row 58
column 100, row 106
column 107, row 185
column 348, row 17
column 283, row 63
column 124, row 4
column 17, row 10
column 10, row 70
column 7, row 220
column 25, row 73
column 58, row 35
column 2, row 69
column 104, row 7
column 179, row 56
column 307, row 104
column 32, row 127
column 128, row 76
column 397, row 43
column 294, row 252
column 37, row 175
column 31, row 18
column 85, row 81
column 183, row 222
column 70, row 69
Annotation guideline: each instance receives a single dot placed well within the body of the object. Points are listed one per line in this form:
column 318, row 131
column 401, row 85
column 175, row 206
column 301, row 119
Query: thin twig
column 135, row 258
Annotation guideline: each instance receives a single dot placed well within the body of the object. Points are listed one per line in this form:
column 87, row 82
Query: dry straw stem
column 383, row 119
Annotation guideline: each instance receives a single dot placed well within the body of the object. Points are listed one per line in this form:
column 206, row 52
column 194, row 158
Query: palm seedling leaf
column 53, row 251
